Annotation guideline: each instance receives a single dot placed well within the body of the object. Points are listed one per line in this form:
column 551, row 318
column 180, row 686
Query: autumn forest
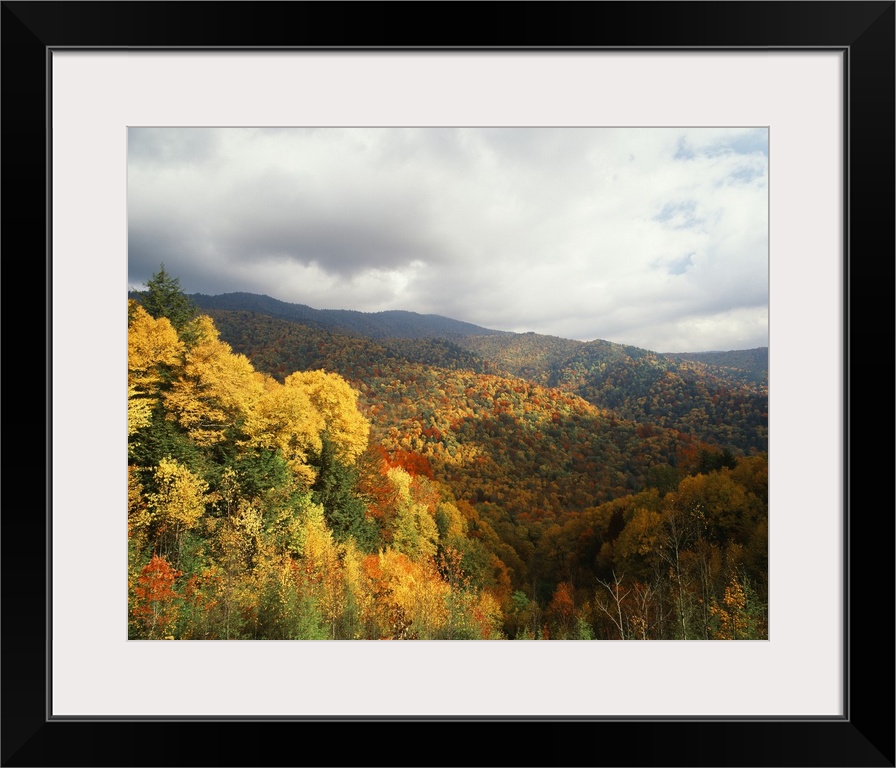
column 298, row 474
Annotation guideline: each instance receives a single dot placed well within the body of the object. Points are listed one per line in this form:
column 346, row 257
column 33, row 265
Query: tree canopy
column 310, row 485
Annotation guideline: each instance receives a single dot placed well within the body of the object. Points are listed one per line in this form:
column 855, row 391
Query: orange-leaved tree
column 156, row 603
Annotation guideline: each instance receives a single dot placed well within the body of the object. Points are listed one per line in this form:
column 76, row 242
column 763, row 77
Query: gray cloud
column 652, row 237
column 171, row 147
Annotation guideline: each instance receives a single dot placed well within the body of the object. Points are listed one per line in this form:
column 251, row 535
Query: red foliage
column 156, row 581
column 562, row 607
column 372, row 568
column 373, row 483
column 155, row 605
column 413, row 463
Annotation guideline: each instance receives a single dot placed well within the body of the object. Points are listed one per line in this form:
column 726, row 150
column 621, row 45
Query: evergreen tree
column 163, row 297
column 335, row 489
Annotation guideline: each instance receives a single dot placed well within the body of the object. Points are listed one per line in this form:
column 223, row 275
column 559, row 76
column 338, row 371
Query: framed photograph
column 815, row 78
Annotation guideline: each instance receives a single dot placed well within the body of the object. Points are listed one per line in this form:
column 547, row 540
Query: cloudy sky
column 656, row 237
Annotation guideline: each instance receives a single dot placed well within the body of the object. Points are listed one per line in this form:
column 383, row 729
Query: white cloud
column 653, row 237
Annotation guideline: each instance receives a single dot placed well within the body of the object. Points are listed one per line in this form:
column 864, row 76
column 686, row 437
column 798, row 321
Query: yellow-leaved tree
column 411, row 597
column 177, row 505
column 284, row 418
column 214, row 389
column 416, row 534
column 337, row 403
column 294, row 416
column 153, row 350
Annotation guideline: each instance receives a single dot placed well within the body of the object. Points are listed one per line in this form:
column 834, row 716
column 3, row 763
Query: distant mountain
column 718, row 397
column 374, row 325
column 752, row 363
column 279, row 347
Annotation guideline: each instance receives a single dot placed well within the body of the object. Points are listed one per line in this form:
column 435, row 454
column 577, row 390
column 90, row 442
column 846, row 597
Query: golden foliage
column 337, row 403
column 214, row 389
column 139, row 410
column 284, row 418
column 415, row 532
column 641, row 536
column 151, row 344
column 180, row 500
column 411, row 596
column 731, row 614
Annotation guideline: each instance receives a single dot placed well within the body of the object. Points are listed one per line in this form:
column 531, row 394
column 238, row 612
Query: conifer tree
column 163, row 297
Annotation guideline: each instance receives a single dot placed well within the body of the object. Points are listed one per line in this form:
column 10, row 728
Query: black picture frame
column 864, row 31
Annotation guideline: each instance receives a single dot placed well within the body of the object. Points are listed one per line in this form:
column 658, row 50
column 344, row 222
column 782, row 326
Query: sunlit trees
column 435, row 504
column 337, row 403
column 415, row 533
column 176, row 505
column 153, row 350
column 213, row 390
column 282, row 419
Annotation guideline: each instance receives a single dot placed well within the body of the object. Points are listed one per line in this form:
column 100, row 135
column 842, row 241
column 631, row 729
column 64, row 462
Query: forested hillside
column 717, row 397
column 742, row 364
column 723, row 405
column 295, row 481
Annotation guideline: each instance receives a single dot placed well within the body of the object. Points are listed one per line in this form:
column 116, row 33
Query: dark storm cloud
column 329, row 214
column 344, row 231
column 149, row 246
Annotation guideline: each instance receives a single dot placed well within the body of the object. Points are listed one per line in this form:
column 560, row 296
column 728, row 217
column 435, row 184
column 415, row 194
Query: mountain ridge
column 392, row 323
column 244, row 300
